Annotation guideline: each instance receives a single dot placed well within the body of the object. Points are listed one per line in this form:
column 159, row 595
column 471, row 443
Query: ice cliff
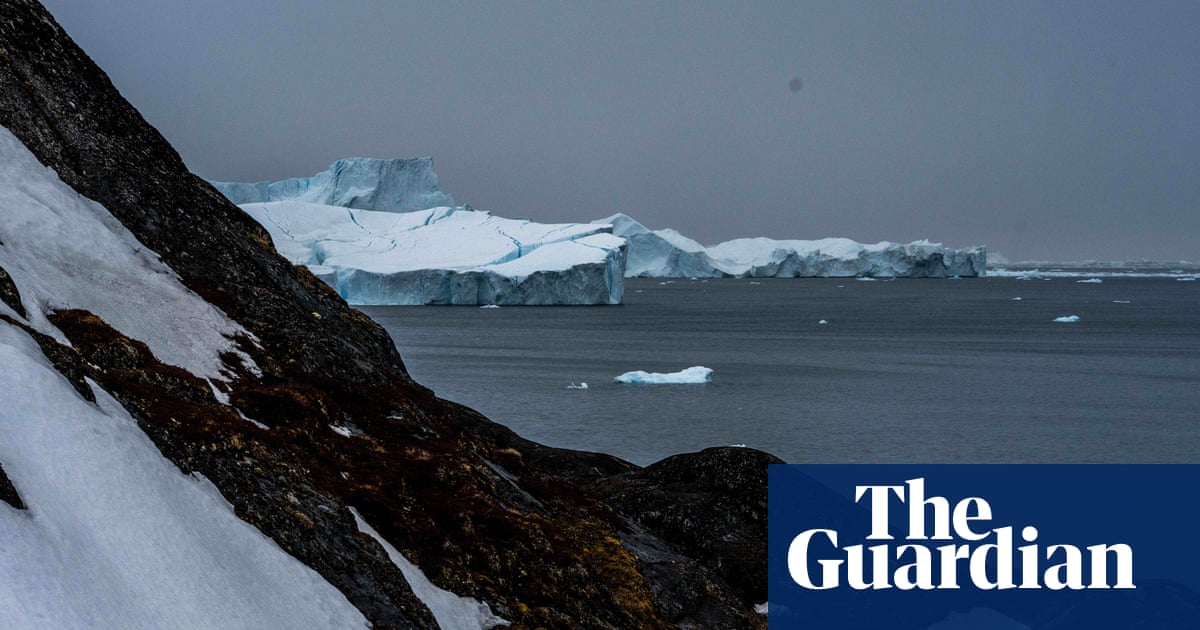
column 382, row 232
column 668, row 254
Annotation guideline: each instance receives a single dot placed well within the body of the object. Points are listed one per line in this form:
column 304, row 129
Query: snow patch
column 451, row 611
column 116, row 537
column 65, row 251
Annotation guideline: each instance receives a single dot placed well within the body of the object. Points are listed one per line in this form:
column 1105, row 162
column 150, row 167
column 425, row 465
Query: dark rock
column 9, row 294
column 8, row 493
column 710, row 505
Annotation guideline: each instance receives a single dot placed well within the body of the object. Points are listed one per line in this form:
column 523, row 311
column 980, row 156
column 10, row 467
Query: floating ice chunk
column 1089, row 281
column 1016, row 299
column 1120, row 301
column 1067, row 319
column 841, row 286
column 954, row 278
column 823, row 322
column 755, row 283
column 692, row 376
column 1186, row 279
column 865, row 279
column 737, row 446
column 490, row 306
column 580, row 385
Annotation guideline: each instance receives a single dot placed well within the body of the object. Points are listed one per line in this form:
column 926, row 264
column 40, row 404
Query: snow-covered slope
column 67, row 251
column 667, row 253
column 114, row 535
column 398, row 185
column 446, row 255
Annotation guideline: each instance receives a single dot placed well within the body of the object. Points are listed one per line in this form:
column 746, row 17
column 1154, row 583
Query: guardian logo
column 951, row 547
column 985, row 554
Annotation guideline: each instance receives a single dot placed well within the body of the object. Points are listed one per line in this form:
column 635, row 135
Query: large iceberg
column 667, row 253
column 397, row 185
column 382, row 232
column 446, row 255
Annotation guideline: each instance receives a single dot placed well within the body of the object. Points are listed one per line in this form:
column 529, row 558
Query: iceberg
column 694, row 375
column 382, row 232
column 1067, row 319
column 667, row 253
column 396, row 185
column 446, row 255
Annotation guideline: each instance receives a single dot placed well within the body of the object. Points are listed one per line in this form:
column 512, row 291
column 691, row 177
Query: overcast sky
column 1055, row 130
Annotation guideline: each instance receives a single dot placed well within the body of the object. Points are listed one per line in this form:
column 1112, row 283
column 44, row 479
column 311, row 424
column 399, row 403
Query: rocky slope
column 313, row 412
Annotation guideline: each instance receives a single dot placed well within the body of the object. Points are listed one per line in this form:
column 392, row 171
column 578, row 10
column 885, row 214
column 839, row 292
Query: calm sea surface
column 905, row 370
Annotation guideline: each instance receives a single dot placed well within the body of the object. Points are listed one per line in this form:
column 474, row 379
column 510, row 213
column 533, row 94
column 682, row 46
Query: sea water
column 911, row 370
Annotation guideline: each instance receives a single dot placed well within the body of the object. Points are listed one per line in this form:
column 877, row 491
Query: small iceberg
column 1067, row 319
column 490, row 306
column 866, row 279
column 1089, row 281
column 1016, row 299
column 1120, row 301
column 696, row 375
column 823, row 322
column 1186, row 279
column 580, row 385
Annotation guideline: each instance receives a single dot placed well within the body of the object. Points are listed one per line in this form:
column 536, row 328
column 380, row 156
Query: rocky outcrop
column 8, row 493
column 317, row 414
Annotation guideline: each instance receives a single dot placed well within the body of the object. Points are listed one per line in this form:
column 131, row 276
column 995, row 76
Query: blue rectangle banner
column 983, row 547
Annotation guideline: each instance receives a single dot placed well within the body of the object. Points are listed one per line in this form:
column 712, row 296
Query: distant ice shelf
column 381, row 232
column 668, row 254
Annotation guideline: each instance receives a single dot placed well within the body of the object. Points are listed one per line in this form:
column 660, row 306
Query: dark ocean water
column 905, row 371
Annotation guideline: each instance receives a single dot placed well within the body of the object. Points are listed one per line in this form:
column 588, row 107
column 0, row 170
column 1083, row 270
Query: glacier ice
column 395, row 185
column 446, row 255
column 366, row 228
column 667, row 253
column 694, row 375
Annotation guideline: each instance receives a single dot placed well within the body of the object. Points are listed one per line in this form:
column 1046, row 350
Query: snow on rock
column 451, row 611
column 115, row 536
column 65, row 251
column 666, row 253
column 691, row 376
column 1067, row 319
column 397, row 185
column 446, row 255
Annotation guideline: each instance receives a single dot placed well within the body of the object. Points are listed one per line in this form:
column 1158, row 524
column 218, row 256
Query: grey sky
column 1060, row 130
